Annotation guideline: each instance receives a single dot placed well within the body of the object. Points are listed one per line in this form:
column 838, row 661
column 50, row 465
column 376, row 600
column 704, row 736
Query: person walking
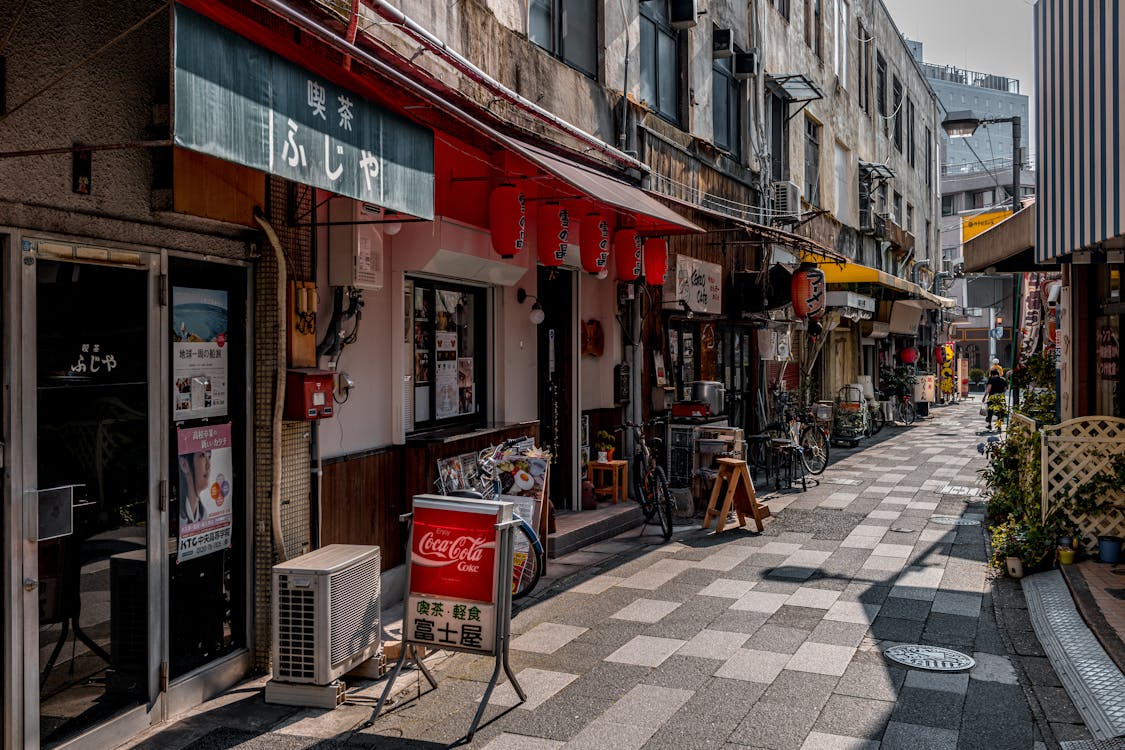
column 996, row 386
column 995, row 369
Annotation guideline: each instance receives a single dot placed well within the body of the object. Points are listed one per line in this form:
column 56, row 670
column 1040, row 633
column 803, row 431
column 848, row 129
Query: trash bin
column 1109, row 549
column 922, row 408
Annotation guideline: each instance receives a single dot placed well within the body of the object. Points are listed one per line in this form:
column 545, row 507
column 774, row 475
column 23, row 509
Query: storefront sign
column 452, row 601
column 971, row 226
column 244, row 104
column 200, row 361
column 699, row 284
column 205, row 458
column 1031, row 313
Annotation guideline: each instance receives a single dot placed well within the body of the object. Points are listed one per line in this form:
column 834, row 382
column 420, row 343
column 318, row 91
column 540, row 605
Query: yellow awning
column 856, row 273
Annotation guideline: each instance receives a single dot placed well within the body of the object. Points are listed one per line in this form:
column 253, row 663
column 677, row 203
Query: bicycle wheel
column 877, row 419
column 530, row 555
column 908, row 414
column 814, row 449
column 647, row 506
column 663, row 502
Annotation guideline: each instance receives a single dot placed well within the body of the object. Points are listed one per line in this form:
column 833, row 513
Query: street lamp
column 964, row 123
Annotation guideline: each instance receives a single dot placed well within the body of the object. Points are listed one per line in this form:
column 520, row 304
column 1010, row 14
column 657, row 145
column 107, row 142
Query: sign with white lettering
column 240, row 102
column 699, row 284
column 205, row 457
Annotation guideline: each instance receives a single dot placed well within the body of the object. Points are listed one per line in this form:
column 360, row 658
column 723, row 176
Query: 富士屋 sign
column 237, row 101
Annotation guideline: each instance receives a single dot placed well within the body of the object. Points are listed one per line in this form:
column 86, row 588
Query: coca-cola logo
column 439, row 548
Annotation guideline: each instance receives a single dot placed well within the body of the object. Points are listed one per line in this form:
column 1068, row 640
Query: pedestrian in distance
column 995, row 369
column 996, row 386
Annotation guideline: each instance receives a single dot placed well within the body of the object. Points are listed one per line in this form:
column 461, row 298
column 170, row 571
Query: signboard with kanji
column 454, row 567
column 242, row 103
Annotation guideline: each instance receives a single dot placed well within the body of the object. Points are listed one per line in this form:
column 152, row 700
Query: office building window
column 660, row 60
column 726, row 100
column 812, row 161
column 896, row 111
column 567, row 29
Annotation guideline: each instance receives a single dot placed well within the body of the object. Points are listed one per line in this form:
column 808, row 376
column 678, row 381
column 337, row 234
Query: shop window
column 726, row 98
column 448, row 354
column 566, row 29
column 812, row 161
column 660, row 60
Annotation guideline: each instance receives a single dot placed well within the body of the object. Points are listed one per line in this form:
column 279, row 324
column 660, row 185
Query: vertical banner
column 1031, row 317
column 1063, row 361
column 200, row 361
column 205, row 459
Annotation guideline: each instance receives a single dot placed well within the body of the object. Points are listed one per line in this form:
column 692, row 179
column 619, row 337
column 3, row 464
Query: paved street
column 763, row 641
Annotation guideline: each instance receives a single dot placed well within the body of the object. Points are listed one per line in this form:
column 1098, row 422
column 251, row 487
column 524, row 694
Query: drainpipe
column 918, row 267
column 624, row 81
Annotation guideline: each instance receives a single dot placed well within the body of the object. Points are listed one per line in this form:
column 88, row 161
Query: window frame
column 881, row 91
column 481, row 338
column 735, row 96
column 911, row 145
column 557, row 49
column 813, row 134
column 896, row 104
column 662, row 26
column 783, row 7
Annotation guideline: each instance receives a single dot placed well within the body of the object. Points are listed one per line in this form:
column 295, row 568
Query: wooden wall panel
column 361, row 500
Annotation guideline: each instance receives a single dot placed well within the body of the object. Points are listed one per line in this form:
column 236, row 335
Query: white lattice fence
column 1073, row 452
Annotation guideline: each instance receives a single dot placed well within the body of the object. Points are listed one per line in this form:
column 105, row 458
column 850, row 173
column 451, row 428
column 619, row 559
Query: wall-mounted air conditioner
column 786, row 202
column 325, row 613
column 355, row 244
column 681, row 14
column 722, row 43
column 746, row 63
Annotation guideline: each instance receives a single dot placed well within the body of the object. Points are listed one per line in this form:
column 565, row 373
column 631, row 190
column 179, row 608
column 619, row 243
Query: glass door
column 89, row 486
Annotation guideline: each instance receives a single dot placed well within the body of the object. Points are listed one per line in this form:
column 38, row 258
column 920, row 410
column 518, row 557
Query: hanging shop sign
column 656, row 261
column 808, row 292
column 242, row 103
column 946, row 357
column 1031, row 315
column 699, row 284
column 507, row 215
column 200, row 355
column 594, row 243
column 206, row 466
column 553, row 237
column 628, row 252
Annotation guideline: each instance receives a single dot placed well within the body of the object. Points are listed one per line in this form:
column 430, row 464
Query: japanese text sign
column 242, row 103
column 206, row 473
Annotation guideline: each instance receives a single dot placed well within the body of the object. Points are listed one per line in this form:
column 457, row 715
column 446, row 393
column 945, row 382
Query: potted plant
column 604, row 444
column 1018, row 544
column 976, row 377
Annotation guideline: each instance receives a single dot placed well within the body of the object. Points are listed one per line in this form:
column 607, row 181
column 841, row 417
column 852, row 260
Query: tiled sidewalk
column 767, row 641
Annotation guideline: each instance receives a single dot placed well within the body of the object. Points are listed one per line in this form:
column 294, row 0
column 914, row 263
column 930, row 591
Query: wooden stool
column 618, row 472
column 739, row 494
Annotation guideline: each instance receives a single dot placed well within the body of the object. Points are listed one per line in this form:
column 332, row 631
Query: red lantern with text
column 507, row 215
column 554, row 234
column 909, row 355
column 807, row 291
column 627, row 249
column 594, row 243
column 656, row 261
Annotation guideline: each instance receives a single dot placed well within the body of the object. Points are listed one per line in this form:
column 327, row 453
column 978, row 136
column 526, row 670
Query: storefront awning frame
column 851, row 272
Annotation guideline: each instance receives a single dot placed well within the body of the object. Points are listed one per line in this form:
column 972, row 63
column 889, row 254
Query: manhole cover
column 954, row 521
column 934, row 658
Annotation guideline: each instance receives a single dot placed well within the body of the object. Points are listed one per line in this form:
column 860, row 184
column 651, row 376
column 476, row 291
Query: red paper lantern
column 554, row 234
column 656, row 261
column 627, row 253
column 909, row 355
column 594, row 241
column 507, row 213
column 807, row 292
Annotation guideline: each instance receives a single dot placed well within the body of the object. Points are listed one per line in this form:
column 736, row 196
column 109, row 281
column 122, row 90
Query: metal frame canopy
column 873, row 171
column 795, row 87
column 857, row 273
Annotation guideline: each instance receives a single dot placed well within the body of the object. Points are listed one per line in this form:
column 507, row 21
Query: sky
column 988, row 36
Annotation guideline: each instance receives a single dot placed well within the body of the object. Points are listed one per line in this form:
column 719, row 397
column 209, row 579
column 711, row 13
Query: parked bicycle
column 482, row 481
column 876, row 419
column 794, row 445
column 649, row 481
column 903, row 409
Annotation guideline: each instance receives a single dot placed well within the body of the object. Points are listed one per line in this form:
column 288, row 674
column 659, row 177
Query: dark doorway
column 556, row 382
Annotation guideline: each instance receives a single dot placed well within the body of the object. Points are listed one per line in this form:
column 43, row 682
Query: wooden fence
column 1073, row 452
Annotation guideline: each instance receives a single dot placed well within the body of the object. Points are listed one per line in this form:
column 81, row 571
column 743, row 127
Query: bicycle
column 484, row 484
column 803, row 428
column 876, row 419
column 903, row 409
column 649, row 481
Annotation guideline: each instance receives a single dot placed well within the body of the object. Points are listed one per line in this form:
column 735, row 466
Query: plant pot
column 1066, row 556
column 1014, row 566
column 1109, row 549
column 609, row 454
column 603, row 457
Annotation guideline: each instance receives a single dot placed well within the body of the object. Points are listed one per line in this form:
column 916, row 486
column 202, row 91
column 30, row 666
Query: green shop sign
column 239, row 102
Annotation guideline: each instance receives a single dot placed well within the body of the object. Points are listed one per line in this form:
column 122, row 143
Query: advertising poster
column 206, row 471
column 465, row 385
column 199, row 353
column 448, row 398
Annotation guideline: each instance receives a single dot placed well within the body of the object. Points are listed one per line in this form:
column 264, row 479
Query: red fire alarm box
column 308, row 394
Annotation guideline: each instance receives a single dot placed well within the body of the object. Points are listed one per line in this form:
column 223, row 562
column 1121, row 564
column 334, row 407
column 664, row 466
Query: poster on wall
column 465, row 385
column 199, row 353
column 206, row 470
column 448, row 398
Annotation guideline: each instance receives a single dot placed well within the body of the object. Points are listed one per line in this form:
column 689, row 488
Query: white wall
column 597, row 299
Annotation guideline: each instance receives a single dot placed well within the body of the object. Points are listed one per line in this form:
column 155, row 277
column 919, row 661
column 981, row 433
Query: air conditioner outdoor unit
column 746, row 64
column 355, row 244
column 325, row 613
column 681, row 14
column 786, row 202
column 722, row 43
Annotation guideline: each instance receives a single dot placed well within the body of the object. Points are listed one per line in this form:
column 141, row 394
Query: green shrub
column 976, row 376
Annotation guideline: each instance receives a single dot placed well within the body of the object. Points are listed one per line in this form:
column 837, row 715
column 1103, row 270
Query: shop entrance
column 556, row 365
column 133, row 380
